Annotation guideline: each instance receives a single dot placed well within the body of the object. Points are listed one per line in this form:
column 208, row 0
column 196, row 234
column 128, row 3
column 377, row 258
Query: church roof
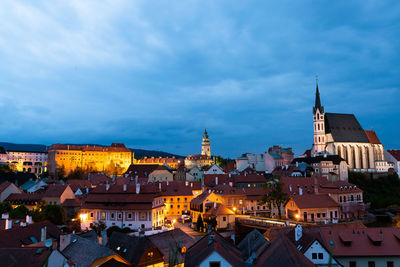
column 345, row 128
column 372, row 137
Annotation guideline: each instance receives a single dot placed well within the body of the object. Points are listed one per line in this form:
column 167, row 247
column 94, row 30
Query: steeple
column 205, row 145
column 317, row 100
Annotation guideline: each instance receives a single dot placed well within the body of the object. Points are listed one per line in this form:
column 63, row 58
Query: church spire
column 317, row 100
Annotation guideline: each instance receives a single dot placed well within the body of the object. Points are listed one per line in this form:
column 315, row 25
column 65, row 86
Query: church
column 342, row 135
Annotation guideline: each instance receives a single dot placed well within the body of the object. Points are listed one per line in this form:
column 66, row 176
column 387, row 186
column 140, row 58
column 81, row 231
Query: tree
column 275, row 195
column 61, row 172
column 4, row 168
column 19, row 212
column 5, row 207
column 55, row 214
column 98, row 227
column 77, row 174
column 199, row 224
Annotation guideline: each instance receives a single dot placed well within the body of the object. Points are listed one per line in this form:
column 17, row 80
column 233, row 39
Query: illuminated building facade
column 114, row 159
column 25, row 161
column 172, row 162
column 204, row 159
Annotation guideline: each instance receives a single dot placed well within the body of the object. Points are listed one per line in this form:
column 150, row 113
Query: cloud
column 154, row 74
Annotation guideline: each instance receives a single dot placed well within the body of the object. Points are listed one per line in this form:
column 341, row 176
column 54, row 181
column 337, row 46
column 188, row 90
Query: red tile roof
column 209, row 179
column 17, row 236
column 310, row 201
column 372, row 137
column 198, row 157
column 363, row 241
column 176, row 188
column 203, row 248
column 55, row 190
column 219, row 210
column 141, row 170
column 24, row 197
column 10, row 257
column 395, row 154
column 115, row 147
column 98, row 178
column 282, row 252
column 249, row 178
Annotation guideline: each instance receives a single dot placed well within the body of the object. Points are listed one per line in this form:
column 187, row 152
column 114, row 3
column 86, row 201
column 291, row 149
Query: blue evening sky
column 154, row 74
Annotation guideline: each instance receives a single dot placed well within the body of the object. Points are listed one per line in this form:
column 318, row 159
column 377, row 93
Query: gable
column 214, row 256
column 317, row 247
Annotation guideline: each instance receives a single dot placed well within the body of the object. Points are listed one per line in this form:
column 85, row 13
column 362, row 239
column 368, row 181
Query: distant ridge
column 23, row 147
column 139, row 153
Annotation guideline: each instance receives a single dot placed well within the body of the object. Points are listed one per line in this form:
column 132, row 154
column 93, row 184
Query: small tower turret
column 319, row 124
column 205, row 145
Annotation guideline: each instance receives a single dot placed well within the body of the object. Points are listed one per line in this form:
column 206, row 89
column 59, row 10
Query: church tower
column 205, row 145
column 319, row 124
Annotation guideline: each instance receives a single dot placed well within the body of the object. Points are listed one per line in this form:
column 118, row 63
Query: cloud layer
column 153, row 74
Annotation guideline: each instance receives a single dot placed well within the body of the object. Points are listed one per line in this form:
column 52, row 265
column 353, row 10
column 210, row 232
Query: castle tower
column 319, row 124
column 205, row 145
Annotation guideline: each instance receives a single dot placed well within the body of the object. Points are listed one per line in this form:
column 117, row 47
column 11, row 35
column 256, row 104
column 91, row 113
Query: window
column 91, row 215
column 129, row 215
column 314, row 256
column 371, row 264
column 119, row 216
column 352, row 264
column 320, row 256
column 172, row 206
column 389, row 264
column 102, row 215
column 318, row 215
column 185, row 199
column 179, row 199
column 224, row 219
column 215, row 264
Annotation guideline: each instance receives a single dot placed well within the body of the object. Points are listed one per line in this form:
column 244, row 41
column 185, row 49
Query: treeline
column 53, row 213
column 381, row 192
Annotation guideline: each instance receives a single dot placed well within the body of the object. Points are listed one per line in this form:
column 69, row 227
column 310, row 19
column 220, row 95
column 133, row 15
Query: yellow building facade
column 114, row 159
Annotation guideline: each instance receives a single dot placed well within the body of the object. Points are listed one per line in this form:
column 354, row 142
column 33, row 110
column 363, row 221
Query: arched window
column 322, row 127
column 317, row 116
column 318, row 126
column 361, row 158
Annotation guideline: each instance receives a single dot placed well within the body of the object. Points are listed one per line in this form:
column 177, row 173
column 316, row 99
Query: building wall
column 225, row 221
column 95, row 160
column 215, row 257
column 363, row 261
column 317, row 248
column 254, row 161
column 147, row 218
column 175, row 205
column 160, row 176
column 31, row 162
column 291, row 208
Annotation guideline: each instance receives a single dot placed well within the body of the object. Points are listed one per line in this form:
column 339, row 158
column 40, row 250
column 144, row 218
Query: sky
column 154, row 74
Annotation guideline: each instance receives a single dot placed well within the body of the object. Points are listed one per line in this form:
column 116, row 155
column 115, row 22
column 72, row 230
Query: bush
column 55, row 214
column 19, row 212
column 199, row 224
column 98, row 227
column 5, row 207
column 118, row 229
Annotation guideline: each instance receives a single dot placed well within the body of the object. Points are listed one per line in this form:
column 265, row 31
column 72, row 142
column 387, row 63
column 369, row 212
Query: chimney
column 87, row 190
column 191, row 184
column 43, row 234
column 230, row 175
column 107, row 187
column 137, row 188
column 216, row 180
column 215, row 205
column 167, row 182
column 124, row 187
column 297, row 164
column 65, row 240
column 4, row 216
column 290, row 188
column 230, row 184
column 28, row 219
column 159, row 186
column 136, row 179
column 300, row 191
column 8, row 224
column 187, row 183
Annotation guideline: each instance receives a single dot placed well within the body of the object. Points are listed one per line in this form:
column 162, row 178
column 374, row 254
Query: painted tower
column 205, row 145
column 319, row 143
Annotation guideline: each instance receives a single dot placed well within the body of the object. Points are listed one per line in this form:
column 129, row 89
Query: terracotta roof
column 203, row 248
column 363, row 241
column 176, row 188
column 24, row 197
column 282, row 252
column 78, row 183
column 198, row 157
column 11, row 257
column 159, row 160
column 209, row 179
column 55, row 190
column 282, row 171
column 372, row 137
column 164, row 240
column 115, row 147
column 72, row 203
column 148, row 188
column 219, row 210
column 395, row 154
column 141, row 170
column 200, row 198
column 17, row 236
column 249, row 178
column 310, row 201
column 98, row 178
column 225, row 189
